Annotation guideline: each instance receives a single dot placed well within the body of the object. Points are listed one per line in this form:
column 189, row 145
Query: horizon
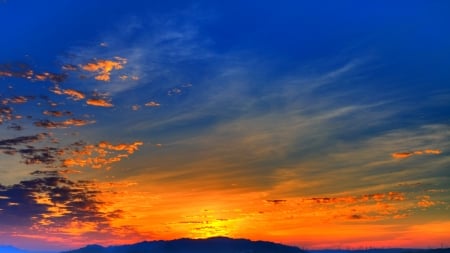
column 318, row 124
column 366, row 248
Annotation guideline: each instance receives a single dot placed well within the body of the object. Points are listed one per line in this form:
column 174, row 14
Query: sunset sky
column 320, row 124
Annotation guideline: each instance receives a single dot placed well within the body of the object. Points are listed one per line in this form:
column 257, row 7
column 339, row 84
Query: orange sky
column 163, row 125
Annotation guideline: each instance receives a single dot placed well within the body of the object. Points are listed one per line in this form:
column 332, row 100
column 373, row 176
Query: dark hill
column 210, row 245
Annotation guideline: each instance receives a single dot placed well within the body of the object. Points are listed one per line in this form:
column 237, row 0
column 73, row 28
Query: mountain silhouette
column 210, row 245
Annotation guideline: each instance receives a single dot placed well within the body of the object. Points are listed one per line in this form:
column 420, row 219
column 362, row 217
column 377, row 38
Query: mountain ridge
column 186, row 245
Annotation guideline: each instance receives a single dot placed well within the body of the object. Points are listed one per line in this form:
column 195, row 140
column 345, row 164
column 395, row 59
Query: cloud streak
column 99, row 102
column 403, row 155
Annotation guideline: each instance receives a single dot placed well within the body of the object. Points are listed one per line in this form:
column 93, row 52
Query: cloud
column 23, row 139
column 403, row 155
column 15, row 126
column 103, row 68
column 377, row 197
column 101, row 155
column 152, row 104
column 16, row 100
column 31, row 154
column 56, row 78
column 52, row 201
column 69, row 67
column 57, row 113
column 276, row 201
column 74, row 94
column 126, row 77
column 22, row 70
column 6, row 114
column 99, row 102
column 174, row 91
column 62, row 124
column 426, row 202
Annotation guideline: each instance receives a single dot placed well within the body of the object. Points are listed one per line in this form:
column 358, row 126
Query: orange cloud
column 98, row 102
column 402, row 155
column 19, row 100
column 100, row 155
column 426, row 202
column 15, row 100
column 74, row 94
column 103, row 68
column 62, row 124
column 77, row 122
column 6, row 73
column 57, row 78
column 152, row 104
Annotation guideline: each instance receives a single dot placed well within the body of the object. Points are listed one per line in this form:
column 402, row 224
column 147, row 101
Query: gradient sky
column 321, row 124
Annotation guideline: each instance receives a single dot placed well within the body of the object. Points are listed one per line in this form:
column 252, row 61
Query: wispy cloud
column 402, row 155
column 152, row 104
column 99, row 102
column 74, row 94
column 62, row 124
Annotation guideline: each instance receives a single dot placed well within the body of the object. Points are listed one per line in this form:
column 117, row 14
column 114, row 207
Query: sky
column 320, row 124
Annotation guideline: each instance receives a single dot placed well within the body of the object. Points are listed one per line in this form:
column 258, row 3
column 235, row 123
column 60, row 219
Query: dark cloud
column 46, row 155
column 15, row 126
column 32, row 202
column 377, row 197
column 32, row 154
column 45, row 123
column 276, row 201
column 57, row 113
column 23, row 139
column 355, row 217
column 22, row 70
column 45, row 173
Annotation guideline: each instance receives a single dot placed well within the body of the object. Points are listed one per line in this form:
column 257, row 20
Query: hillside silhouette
column 215, row 244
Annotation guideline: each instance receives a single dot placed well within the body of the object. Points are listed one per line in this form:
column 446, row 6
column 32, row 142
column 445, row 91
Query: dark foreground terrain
column 211, row 245
column 215, row 245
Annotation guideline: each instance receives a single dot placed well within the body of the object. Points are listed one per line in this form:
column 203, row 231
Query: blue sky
column 261, row 120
